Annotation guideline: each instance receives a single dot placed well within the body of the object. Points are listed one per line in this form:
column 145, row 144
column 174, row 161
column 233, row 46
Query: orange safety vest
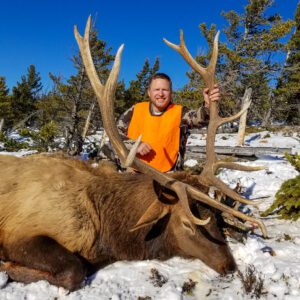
column 161, row 132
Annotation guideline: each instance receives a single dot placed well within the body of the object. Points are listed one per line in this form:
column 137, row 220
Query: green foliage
column 288, row 89
column 45, row 138
column 287, row 199
column 254, row 39
column 5, row 104
column 120, row 99
column 2, row 136
column 137, row 90
column 247, row 58
column 294, row 160
column 14, row 145
column 287, row 202
column 25, row 132
column 188, row 97
column 71, row 101
column 25, row 95
column 253, row 129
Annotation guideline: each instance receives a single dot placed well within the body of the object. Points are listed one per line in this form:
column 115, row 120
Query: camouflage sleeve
column 123, row 122
column 195, row 118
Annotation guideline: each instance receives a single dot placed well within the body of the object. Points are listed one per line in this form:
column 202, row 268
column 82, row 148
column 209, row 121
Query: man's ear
column 148, row 92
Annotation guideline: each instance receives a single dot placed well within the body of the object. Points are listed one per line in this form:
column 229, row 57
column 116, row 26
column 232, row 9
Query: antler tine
column 214, row 58
column 183, row 51
column 234, row 166
column 206, row 73
column 84, row 46
column 196, row 194
column 234, row 117
column 186, row 208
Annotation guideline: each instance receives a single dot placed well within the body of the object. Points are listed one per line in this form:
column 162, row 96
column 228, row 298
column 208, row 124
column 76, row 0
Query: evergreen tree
column 247, row 59
column 76, row 95
column 254, row 38
column 5, row 104
column 120, row 102
column 288, row 90
column 137, row 90
column 26, row 94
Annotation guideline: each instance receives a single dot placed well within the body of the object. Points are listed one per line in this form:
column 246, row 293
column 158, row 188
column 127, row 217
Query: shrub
column 253, row 283
column 25, row 132
column 287, row 199
column 294, row 160
column 2, row 137
column 13, row 145
column 45, row 137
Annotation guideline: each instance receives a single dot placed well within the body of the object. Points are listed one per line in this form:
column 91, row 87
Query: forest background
column 252, row 42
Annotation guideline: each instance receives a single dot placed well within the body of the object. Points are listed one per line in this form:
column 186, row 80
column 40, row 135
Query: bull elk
column 61, row 219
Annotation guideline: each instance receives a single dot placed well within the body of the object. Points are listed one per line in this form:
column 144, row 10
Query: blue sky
column 40, row 32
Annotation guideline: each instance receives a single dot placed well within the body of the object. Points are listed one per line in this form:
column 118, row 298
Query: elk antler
column 212, row 164
column 105, row 97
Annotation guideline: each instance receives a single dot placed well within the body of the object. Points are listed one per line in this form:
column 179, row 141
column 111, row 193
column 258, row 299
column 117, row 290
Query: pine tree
column 287, row 199
column 246, row 59
column 137, row 90
column 288, row 90
column 254, row 38
column 76, row 95
column 5, row 104
column 26, row 94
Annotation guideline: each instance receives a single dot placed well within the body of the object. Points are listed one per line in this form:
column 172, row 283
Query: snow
column 275, row 261
column 260, row 139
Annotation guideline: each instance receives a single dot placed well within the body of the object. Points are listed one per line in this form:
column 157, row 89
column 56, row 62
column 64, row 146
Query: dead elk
column 60, row 219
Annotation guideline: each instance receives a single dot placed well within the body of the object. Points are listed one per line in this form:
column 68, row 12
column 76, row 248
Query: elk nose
column 228, row 267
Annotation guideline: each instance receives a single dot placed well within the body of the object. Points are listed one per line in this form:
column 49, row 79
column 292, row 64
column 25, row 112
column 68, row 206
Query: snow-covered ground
column 274, row 262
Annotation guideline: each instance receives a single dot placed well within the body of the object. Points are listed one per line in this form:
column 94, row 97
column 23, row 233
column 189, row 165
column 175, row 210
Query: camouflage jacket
column 190, row 119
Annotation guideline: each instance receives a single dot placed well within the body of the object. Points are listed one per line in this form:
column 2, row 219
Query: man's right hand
column 144, row 148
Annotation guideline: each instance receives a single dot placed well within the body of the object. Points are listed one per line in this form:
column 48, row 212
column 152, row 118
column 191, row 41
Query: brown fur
column 88, row 212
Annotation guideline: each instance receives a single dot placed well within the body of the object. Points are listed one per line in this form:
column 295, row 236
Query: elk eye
column 187, row 225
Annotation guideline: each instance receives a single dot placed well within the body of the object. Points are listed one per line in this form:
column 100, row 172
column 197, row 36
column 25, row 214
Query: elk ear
column 153, row 214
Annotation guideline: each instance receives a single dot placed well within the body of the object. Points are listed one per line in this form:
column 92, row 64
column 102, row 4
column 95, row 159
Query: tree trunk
column 1, row 124
column 88, row 121
column 75, row 141
column 242, row 126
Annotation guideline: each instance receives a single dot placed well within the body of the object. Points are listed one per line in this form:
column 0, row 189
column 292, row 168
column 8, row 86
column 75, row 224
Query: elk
column 61, row 219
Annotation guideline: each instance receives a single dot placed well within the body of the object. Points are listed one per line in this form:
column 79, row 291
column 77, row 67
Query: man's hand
column 211, row 95
column 144, row 148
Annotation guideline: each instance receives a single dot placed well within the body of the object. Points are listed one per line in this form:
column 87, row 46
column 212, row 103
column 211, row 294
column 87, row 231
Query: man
column 163, row 124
